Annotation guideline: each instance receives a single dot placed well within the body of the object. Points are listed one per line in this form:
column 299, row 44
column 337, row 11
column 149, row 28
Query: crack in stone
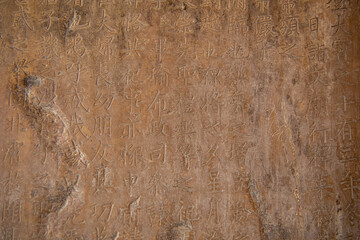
column 259, row 208
column 52, row 127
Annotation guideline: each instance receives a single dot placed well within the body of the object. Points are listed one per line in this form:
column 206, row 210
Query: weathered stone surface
column 194, row 119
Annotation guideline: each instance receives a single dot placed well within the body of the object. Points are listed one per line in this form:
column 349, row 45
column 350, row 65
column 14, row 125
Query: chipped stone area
column 179, row 120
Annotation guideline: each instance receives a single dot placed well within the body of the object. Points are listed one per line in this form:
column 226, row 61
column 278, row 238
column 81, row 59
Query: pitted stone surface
column 191, row 120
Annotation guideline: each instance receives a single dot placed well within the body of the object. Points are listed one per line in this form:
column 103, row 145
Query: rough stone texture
column 193, row 119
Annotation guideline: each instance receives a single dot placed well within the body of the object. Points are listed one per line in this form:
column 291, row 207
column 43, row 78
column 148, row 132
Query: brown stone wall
column 169, row 119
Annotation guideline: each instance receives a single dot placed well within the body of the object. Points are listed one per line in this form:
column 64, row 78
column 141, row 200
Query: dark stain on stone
column 295, row 130
column 33, row 81
column 288, row 99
